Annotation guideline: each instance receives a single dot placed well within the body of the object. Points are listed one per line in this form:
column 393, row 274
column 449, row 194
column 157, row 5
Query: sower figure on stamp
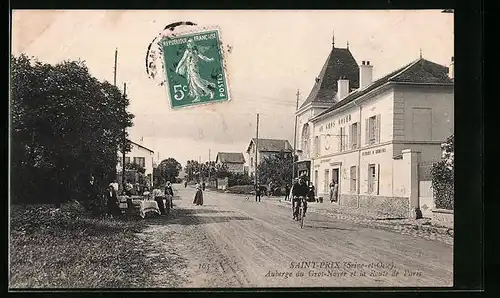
column 300, row 191
column 188, row 65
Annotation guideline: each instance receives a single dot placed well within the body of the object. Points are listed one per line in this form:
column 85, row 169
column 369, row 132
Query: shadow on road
column 327, row 228
column 192, row 217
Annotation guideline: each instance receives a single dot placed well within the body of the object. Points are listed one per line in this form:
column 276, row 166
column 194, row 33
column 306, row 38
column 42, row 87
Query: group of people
column 112, row 201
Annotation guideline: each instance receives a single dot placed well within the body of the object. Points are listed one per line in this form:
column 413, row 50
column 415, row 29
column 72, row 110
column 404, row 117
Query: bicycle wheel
column 301, row 216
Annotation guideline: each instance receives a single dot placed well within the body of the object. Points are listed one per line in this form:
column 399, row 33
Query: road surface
column 232, row 241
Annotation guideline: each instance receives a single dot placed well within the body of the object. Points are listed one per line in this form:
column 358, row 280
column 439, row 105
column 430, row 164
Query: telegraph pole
column 256, row 148
column 295, row 135
column 116, row 59
column 124, row 138
column 209, row 166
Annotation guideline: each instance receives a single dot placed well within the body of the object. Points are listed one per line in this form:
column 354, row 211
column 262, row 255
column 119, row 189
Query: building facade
column 372, row 139
column 141, row 155
column 266, row 148
column 340, row 64
column 234, row 162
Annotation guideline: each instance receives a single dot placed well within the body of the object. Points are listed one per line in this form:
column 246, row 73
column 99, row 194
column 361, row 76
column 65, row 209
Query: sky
column 274, row 54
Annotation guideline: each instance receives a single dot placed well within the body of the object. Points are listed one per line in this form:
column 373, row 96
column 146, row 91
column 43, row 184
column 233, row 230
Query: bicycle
column 301, row 213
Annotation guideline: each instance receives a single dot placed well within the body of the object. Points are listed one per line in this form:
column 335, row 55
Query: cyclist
column 300, row 191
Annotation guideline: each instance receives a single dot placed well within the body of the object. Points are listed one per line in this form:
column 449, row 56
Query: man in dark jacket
column 300, row 191
column 257, row 192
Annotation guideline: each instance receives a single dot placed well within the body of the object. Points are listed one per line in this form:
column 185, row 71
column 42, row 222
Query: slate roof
column 139, row 145
column 420, row 71
column 339, row 63
column 272, row 145
column 230, row 157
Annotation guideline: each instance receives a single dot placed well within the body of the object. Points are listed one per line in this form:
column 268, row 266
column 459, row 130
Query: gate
column 425, row 193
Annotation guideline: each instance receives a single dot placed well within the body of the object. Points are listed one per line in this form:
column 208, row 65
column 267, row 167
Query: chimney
column 342, row 87
column 365, row 74
column 451, row 69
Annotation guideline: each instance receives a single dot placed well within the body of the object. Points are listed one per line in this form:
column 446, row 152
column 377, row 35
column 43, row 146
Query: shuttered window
column 373, row 130
column 354, row 135
column 353, row 176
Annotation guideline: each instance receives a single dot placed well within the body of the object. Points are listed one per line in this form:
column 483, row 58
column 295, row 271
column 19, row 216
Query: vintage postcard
column 231, row 149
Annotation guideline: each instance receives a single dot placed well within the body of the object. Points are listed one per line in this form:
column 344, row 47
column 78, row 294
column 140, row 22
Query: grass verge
column 67, row 249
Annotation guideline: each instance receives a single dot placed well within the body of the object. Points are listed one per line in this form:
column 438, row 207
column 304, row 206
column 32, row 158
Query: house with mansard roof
column 372, row 139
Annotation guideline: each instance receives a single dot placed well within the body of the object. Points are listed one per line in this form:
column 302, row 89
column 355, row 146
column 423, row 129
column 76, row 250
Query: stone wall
column 378, row 206
column 443, row 217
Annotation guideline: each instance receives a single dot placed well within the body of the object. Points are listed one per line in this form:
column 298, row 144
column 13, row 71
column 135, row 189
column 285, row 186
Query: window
column 251, row 162
column 373, row 130
column 342, row 138
column 353, row 179
column 326, row 182
column 127, row 160
column 354, row 135
column 373, row 171
column 140, row 161
column 316, row 146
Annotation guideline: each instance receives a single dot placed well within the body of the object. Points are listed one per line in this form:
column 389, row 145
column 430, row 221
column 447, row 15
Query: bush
column 241, row 189
column 238, row 179
column 443, row 178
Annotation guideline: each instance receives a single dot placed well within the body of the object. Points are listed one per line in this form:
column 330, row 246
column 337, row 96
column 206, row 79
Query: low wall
column 379, row 206
column 443, row 217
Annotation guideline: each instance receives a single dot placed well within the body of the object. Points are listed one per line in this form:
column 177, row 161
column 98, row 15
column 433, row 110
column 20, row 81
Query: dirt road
column 235, row 242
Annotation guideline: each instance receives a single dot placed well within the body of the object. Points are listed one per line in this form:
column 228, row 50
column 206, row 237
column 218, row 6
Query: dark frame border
column 469, row 128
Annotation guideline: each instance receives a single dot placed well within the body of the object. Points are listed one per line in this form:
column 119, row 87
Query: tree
column 277, row 168
column 66, row 126
column 169, row 169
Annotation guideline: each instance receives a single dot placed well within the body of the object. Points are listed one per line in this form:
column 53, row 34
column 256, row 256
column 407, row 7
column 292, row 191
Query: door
column 335, row 177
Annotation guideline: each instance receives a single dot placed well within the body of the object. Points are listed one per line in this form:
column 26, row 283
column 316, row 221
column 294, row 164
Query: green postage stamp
column 194, row 69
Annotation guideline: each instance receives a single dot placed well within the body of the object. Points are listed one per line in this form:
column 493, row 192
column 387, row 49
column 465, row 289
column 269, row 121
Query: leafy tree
column 65, row 127
column 168, row 170
column 443, row 176
column 277, row 168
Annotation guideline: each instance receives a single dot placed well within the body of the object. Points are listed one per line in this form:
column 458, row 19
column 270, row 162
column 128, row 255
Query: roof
column 420, row 71
column 230, row 157
column 339, row 63
column 271, row 145
column 139, row 145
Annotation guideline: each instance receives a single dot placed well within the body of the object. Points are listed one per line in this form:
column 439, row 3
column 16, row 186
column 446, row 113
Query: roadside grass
column 69, row 249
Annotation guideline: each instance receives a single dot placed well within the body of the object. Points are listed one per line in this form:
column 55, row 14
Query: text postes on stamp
column 194, row 69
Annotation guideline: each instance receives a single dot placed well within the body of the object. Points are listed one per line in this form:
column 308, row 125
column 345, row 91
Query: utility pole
column 124, row 139
column 209, row 166
column 256, row 149
column 295, row 135
column 116, row 59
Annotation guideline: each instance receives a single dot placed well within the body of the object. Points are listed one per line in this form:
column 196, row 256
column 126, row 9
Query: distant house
column 266, row 148
column 235, row 162
column 139, row 154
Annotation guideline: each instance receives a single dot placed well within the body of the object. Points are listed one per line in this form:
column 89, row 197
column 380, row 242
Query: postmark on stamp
column 194, row 68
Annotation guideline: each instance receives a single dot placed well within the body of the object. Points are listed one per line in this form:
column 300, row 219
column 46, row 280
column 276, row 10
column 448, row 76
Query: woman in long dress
column 198, row 197
column 188, row 65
